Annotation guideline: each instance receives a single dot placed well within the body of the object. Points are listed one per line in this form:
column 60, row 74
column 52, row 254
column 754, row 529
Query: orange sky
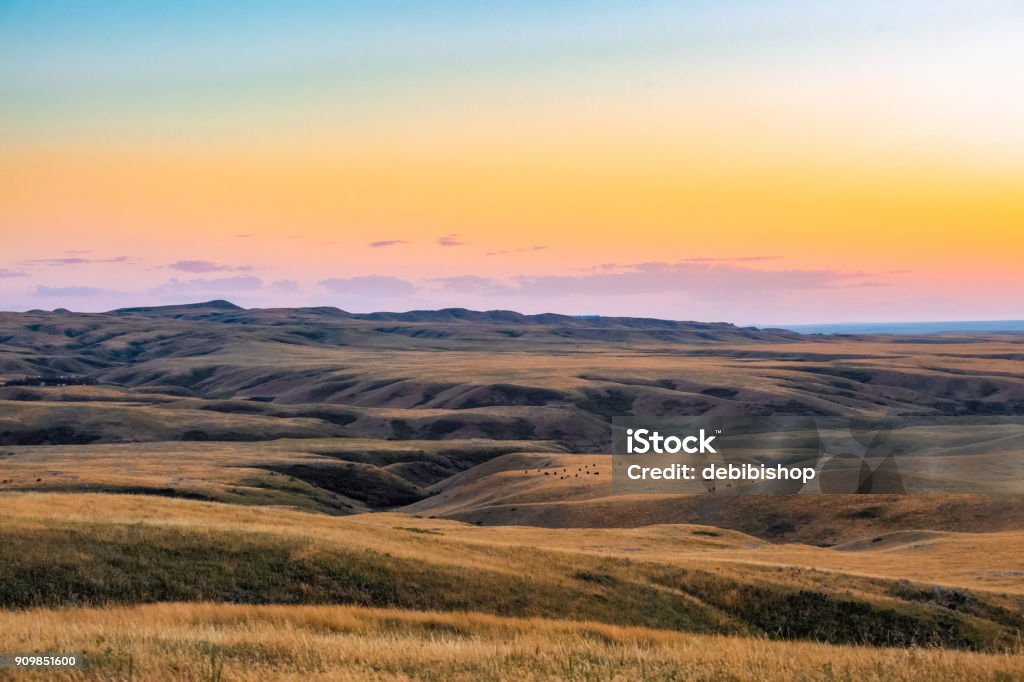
column 875, row 179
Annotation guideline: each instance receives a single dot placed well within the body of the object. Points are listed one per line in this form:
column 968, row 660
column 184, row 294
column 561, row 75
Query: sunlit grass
column 230, row 642
column 67, row 550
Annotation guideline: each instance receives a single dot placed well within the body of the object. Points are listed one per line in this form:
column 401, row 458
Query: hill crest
column 227, row 312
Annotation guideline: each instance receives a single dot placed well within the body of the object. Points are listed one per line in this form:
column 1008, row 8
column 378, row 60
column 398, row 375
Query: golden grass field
column 286, row 494
column 320, row 474
column 560, row 490
column 657, row 602
column 203, row 641
column 980, row 561
column 205, row 373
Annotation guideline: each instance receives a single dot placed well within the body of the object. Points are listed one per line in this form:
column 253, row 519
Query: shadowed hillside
column 224, row 373
column 574, row 491
column 442, row 475
column 325, row 410
column 132, row 550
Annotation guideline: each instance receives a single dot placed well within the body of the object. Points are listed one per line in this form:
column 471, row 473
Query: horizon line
column 803, row 327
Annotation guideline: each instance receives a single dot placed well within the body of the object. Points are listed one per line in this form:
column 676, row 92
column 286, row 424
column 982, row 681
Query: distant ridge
column 512, row 317
column 225, row 311
column 218, row 304
column 220, row 310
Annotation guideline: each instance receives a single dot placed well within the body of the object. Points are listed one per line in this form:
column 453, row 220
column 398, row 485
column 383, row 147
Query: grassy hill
column 331, row 475
column 73, row 550
column 155, row 588
column 557, row 490
column 207, row 492
column 201, row 641
column 460, row 374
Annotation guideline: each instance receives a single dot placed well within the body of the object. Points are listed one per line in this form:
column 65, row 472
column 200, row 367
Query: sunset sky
column 751, row 162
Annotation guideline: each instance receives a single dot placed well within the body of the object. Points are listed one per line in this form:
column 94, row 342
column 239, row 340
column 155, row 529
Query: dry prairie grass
column 516, row 490
column 987, row 561
column 717, row 601
column 458, row 379
column 348, row 475
column 257, row 473
column 250, row 643
column 982, row 561
column 91, row 550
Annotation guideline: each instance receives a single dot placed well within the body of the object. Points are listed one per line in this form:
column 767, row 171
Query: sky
column 758, row 163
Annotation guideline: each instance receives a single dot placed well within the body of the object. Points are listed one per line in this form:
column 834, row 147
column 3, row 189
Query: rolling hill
column 310, row 493
column 463, row 374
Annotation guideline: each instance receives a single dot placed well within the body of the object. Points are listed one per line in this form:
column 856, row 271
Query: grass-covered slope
column 336, row 476
column 217, row 372
column 345, row 643
column 68, row 550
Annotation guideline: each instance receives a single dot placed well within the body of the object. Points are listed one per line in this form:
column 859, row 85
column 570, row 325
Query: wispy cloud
column 708, row 280
column 507, row 251
column 696, row 278
column 472, row 284
column 42, row 290
column 450, row 240
column 698, row 260
column 73, row 260
column 203, row 285
column 202, row 266
column 387, row 242
column 370, row 285
column 736, row 259
column 285, row 285
column 5, row 274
